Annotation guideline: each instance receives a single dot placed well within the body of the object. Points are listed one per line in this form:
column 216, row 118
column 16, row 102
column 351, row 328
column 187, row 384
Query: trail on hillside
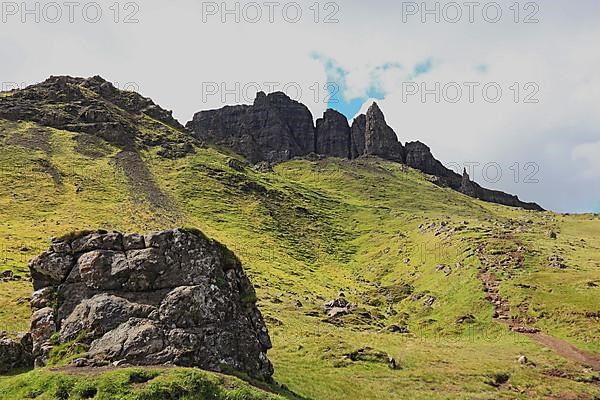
column 567, row 350
column 501, row 314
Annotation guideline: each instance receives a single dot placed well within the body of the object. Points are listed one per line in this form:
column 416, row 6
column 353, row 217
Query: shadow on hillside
column 273, row 387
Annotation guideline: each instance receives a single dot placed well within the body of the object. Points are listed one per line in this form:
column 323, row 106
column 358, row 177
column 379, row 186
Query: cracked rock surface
column 171, row 297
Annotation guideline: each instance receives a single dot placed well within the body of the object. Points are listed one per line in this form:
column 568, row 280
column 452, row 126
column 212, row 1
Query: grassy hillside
column 374, row 230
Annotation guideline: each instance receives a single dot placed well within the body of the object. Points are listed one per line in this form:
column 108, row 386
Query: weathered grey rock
column 472, row 189
column 429, row 300
column 333, row 135
column 15, row 355
column 98, row 241
column 172, row 297
column 418, row 156
column 43, row 326
column 264, row 167
column 275, row 128
column 523, row 360
column 359, row 127
column 236, row 165
column 337, row 312
column 43, row 298
column 380, row 139
column 133, row 241
column 50, row 268
column 86, row 105
column 101, row 314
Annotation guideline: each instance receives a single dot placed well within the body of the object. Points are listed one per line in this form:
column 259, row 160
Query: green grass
column 131, row 384
column 310, row 230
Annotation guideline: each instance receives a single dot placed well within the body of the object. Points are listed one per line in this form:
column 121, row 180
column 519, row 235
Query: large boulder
column 172, row 297
column 15, row 354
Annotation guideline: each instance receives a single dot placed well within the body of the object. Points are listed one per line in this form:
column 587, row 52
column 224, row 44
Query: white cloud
column 589, row 154
column 171, row 54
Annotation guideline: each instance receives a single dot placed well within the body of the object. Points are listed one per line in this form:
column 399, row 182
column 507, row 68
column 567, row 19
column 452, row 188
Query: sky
column 509, row 90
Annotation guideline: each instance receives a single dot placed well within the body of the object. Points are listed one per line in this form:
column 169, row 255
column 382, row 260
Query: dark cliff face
column 359, row 126
column 380, row 139
column 472, row 189
column 418, row 156
column 332, row 135
column 275, row 128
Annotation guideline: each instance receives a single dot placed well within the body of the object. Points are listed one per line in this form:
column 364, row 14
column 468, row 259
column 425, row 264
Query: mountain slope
column 412, row 256
column 276, row 128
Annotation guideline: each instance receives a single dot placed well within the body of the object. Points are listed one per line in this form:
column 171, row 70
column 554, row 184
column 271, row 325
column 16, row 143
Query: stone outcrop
column 96, row 107
column 358, row 129
column 15, row 355
column 172, row 297
column 418, row 156
column 380, row 139
column 274, row 129
column 332, row 135
column 473, row 189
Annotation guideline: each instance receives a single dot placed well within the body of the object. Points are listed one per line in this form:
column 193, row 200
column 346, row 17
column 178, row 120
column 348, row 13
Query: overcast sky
column 494, row 86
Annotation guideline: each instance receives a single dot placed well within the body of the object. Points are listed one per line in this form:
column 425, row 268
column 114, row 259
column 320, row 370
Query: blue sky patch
column 483, row 68
column 423, row 68
column 337, row 85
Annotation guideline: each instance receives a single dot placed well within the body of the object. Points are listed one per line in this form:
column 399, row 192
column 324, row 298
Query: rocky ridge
column 276, row 129
column 96, row 107
column 273, row 129
column 172, row 297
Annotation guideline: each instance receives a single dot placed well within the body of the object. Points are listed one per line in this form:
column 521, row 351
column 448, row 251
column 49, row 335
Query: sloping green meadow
column 374, row 230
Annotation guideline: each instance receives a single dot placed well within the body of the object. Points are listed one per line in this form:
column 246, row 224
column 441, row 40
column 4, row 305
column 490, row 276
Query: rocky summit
column 273, row 129
column 276, row 129
column 94, row 106
column 172, row 297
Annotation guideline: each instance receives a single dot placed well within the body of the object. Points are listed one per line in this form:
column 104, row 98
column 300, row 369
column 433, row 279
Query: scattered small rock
column 338, row 312
column 524, row 329
column 429, row 301
column 466, row 319
column 397, row 329
column 523, row 360
column 263, row 167
column 236, row 165
column 498, row 379
column 556, row 262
